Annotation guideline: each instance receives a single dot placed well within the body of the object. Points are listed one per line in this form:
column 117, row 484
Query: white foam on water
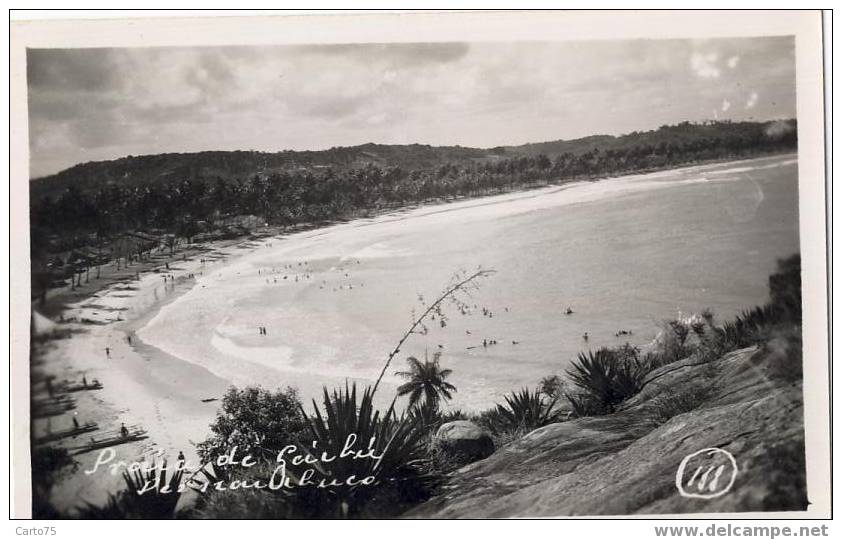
column 229, row 350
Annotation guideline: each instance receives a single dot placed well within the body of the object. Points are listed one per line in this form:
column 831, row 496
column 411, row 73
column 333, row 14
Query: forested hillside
column 177, row 196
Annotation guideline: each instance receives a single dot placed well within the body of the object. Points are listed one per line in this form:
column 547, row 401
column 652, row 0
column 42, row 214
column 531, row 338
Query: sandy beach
column 144, row 315
column 143, row 387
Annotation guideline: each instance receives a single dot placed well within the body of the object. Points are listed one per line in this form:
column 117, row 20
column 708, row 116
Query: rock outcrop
column 626, row 462
column 465, row 439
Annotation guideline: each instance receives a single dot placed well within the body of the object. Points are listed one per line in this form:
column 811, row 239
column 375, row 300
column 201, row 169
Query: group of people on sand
column 262, row 330
column 274, row 280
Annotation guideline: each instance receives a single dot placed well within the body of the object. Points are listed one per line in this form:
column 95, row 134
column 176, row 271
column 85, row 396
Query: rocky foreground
column 748, row 402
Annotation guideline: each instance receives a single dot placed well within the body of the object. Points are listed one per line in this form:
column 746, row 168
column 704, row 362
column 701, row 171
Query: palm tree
column 426, row 379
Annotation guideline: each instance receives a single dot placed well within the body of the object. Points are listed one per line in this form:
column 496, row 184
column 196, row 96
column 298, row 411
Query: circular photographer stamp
column 705, row 474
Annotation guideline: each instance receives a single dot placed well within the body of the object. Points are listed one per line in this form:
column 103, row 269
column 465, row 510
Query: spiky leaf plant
column 344, row 423
column 151, row 494
column 526, row 410
column 608, row 376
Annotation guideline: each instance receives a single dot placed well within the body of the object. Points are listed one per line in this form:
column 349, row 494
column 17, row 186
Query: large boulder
column 465, row 439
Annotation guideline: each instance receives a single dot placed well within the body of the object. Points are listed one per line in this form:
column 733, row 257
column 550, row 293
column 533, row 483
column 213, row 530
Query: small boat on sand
column 133, row 433
column 67, row 433
column 70, row 387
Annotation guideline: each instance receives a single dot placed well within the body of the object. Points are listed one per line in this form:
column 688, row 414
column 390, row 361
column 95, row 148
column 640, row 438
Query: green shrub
column 116, row 508
column 49, row 465
column 670, row 403
column 605, row 378
column 756, row 325
column 248, row 503
column 523, row 411
column 397, row 439
column 142, row 498
column 426, row 416
column 784, row 350
column 345, row 420
column 264, row 503
column 785, row 288
column 441, row 459
column 585, row 405
column 256, row 421
column 552, row 386
column 153, row 503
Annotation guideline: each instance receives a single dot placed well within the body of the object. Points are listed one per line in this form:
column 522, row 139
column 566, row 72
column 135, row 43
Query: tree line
column 93, row 218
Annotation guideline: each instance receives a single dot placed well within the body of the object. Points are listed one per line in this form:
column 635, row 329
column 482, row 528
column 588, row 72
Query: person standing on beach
column 108, row 352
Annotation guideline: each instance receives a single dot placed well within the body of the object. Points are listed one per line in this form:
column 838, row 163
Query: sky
column 101, row 104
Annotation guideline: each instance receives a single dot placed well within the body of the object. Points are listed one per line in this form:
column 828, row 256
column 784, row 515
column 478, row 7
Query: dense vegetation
column 83, row 215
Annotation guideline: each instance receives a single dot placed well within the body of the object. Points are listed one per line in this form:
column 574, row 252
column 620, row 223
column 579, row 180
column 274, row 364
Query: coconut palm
column 426, row 379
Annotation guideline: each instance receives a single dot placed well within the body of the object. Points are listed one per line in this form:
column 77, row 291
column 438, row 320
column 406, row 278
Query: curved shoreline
column 143, row 386
column 164, row 392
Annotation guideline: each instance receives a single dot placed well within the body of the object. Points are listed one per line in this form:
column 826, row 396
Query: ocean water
column 623, row 253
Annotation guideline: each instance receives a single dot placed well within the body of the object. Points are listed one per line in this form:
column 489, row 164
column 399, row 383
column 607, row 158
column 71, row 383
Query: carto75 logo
column 708, row 473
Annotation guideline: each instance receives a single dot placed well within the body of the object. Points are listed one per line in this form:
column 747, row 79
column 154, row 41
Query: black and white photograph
column 474, row 276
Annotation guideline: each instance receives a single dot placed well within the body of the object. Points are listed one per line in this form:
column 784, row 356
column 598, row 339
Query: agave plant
column 593, row 373
column 201, row 480
column 526, row 410
column 426, row 416
column 608, row 376
column 585, row 405
column 159, row 501
column 357, row 426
